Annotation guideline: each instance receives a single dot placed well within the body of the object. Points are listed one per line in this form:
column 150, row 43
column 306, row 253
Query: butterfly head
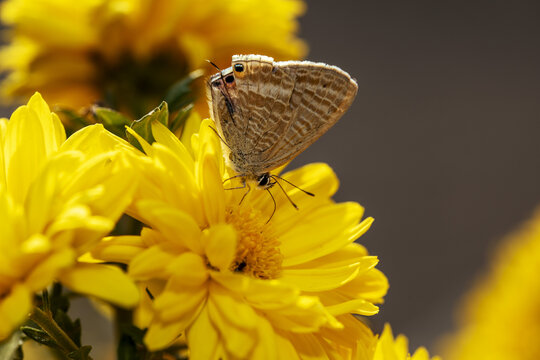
column 265, row 181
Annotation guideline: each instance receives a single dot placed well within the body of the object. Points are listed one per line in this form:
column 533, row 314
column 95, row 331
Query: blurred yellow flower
column 389, row 348
column 500, row 318
column 128, row 52
column 233, row 284
column 57, row 199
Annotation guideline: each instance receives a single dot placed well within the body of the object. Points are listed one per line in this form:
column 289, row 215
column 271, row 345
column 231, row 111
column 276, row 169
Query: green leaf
column 143, row 126
column 113, row 121
column 10, row 349
column 57, row 300
column 131, row 344
column 134, row 332
column 181, row 93
column 127, row 349
column 180, row 118
column 70, row 327
column 40, row 336
column 82, row 353
column 71, row 119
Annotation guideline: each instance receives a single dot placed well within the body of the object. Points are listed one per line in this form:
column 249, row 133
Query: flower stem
column 47, row 324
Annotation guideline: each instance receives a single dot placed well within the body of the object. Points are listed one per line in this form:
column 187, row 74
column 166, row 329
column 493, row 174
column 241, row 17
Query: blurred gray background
column 442, row 143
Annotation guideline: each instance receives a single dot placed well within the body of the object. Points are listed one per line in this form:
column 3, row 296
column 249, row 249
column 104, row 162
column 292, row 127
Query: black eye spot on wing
column 229, row 79
column 238, row 67
column 215, row 84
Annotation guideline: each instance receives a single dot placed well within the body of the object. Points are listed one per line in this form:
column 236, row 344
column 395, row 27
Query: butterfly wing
column 275, row 110
column 288, row 107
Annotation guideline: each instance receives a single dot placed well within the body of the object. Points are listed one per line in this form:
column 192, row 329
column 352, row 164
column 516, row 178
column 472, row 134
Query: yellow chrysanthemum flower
column 389, row 348
column 501, row 316
column 128, row 52
column 233, row 284
column 57, row 199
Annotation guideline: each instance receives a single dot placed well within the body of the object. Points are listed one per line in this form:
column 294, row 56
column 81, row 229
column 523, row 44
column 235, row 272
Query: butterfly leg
column 247, row 191
column 274, row 201
column 276, row 177
column 234, row 177
column 282, row 189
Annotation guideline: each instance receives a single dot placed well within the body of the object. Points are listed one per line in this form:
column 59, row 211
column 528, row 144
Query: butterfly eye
column 263, row 180
column 238, row 67
column 229, row 79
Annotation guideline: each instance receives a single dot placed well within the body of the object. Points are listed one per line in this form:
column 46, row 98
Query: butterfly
column 268, row 112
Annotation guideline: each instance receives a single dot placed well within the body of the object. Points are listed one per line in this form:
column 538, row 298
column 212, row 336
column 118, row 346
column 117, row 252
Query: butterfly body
column 269, row 112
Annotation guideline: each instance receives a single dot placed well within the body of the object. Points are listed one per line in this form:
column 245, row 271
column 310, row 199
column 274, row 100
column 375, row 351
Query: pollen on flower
column 257, row 252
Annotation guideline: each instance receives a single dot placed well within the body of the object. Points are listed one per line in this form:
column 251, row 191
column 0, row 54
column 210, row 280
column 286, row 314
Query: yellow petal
column 191, row 127
column 105, row 182
column 209, row 173
column 213, row 196
column 14, row 307
column 24, row 145
column 189, row 269
column 285, row 348
column 307, row 314
column 95, row 139
column 420, row 354
column 167, row 220
column 120, row 249
column 45, row 272
column 330, row 271
column 309, row 240
column 151, row 263
column 42, row 200
column 203, row 338
column 53, row 130
column 372, row 286
column 262, row 294
column 220, row 245
column 105, row 282
column 237, row 340
column 160, row 334
column 267, row 347
column 147, row 148
column 317, row 178
column 385, row 347
column 308, row 346
column 167, row 169
column 165, row 137
column 319, row 279
column 233, row 308
column 181, row 306
column 356, row 306
column 36, row 243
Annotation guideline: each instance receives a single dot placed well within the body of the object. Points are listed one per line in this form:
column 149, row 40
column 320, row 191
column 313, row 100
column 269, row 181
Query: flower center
column 257, row 251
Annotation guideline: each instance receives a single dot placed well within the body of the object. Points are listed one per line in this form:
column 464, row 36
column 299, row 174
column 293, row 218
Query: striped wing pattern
column 278, row 109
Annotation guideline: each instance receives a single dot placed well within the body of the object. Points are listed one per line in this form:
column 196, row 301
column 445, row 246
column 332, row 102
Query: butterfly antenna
column 214, row 65
column 219, row 136
column 287, row 195
column 275, row 177
column 274, row 201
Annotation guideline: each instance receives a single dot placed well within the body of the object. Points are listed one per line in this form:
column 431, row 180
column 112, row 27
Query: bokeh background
column 441, row 145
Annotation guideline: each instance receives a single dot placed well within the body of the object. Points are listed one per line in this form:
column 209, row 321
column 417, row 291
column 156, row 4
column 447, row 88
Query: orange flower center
column 257, row 252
